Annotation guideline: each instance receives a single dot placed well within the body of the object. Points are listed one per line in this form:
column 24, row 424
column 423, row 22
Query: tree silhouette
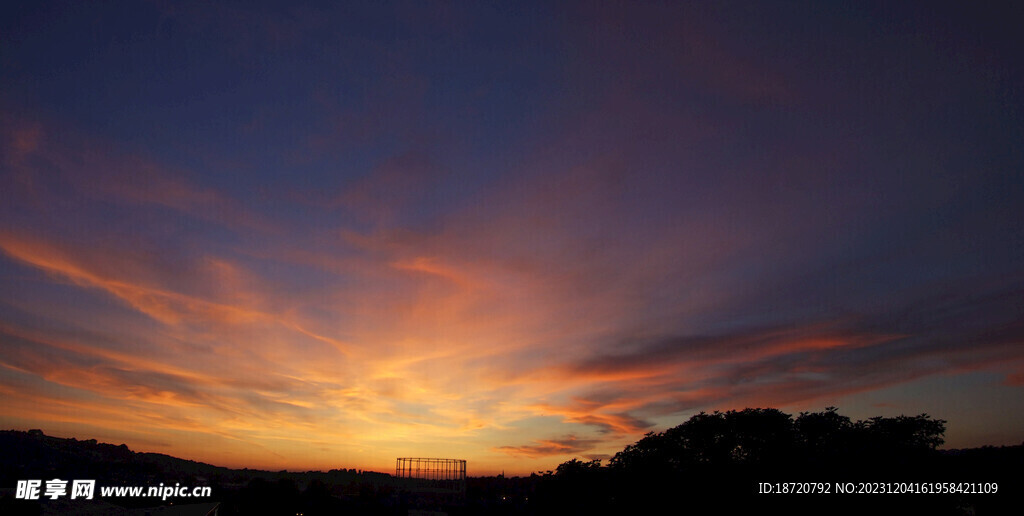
column 577, row 467
column 748, row 436
column 824, row 436
column 760, row 435
column 770, row 436
column 719, row 458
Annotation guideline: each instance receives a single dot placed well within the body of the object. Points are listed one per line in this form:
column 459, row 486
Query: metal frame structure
column 438, row 475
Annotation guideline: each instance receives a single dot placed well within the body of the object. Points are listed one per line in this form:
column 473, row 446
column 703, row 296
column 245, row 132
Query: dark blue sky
column 511, row 232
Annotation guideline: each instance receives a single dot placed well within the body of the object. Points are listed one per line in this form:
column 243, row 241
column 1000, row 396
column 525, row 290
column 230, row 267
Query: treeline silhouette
column 771, row 437
column 713, row 463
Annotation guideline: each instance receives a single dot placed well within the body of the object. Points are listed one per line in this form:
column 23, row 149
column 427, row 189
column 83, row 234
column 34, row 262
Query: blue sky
column 313, row 236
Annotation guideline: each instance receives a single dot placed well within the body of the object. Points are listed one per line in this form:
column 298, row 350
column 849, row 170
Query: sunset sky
column 509, row 232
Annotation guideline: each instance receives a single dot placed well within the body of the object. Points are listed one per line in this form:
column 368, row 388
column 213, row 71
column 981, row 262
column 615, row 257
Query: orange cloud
column 551, row 447
column 376, row 338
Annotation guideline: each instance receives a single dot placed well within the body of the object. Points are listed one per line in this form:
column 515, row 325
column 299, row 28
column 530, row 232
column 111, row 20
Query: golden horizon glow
column 510, row 236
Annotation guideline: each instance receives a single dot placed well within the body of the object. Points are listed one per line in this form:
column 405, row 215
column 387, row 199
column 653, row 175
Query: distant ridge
column 575, row 485
column 33, row 454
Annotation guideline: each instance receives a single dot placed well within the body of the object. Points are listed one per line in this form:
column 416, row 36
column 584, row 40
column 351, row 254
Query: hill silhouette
column 720, row 462
column 34, row 455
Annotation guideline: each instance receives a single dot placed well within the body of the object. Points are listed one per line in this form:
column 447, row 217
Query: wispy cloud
column 469, row 236
column 551, row 447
